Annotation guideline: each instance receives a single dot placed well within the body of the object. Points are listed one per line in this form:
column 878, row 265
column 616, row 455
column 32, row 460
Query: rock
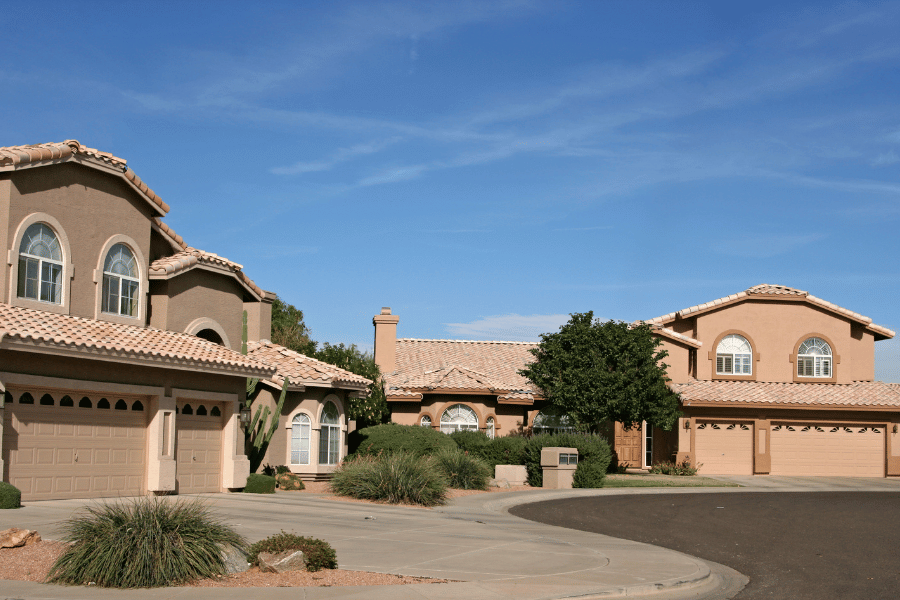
column 235, row 559
column 289, row 560
column 14, row 537
column 499, row 483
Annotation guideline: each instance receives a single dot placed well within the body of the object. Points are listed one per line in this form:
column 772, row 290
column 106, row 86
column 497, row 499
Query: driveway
column 797, row 545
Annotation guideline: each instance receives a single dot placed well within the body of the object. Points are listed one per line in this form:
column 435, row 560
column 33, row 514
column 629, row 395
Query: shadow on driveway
column 800, row 545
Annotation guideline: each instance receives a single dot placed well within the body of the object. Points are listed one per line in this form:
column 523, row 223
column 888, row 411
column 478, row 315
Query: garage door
column 61, row 445
column 724, row 447
column 816, row 449
column 198, row 448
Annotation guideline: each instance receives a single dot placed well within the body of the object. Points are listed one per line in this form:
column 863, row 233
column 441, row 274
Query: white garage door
column 60, row 445
column 198, row 448
column 817, row 449
column 724, row 447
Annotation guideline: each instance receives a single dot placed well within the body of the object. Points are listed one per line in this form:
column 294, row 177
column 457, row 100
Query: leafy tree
column 598, row 372
column 289, row 330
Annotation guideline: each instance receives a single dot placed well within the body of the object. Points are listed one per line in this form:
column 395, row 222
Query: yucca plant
column 397, row 478
column 142, row 543
column 464, row 471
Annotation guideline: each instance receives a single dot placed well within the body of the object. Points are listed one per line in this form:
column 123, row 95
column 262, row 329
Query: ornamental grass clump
column 143, row 543
column 317, row 554
column 396, row 478
column 462, row 470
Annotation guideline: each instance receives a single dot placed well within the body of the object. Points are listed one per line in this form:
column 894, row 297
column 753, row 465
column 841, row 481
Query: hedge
column 413, row 439
column 592, row 448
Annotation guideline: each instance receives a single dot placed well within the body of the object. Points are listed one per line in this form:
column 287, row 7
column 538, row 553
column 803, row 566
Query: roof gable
column 191, row 258
column 303, row 370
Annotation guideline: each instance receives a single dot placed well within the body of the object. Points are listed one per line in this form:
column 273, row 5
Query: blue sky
column 487, row 168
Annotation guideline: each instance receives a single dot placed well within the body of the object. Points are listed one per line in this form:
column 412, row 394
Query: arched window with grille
column 40, row 265
column 459, row 417
column 329, row 435
column 300, row 428
column 814, row 358
column 734, row 356
column 425, row 421
column 121, row 283
column 547, row 422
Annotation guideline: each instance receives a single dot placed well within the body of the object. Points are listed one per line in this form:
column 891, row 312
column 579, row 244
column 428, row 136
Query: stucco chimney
column 386, row 340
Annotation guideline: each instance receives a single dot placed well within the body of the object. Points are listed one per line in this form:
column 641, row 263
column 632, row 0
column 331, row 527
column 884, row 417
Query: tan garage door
column 724, row 447
column 817, row 449
column 60, row 445
column 198, row 448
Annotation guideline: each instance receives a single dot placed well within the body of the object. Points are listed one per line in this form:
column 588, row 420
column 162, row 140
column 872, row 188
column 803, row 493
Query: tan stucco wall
column 775, row 329
column 678, row 361
column 509, row 418
column 75, row 195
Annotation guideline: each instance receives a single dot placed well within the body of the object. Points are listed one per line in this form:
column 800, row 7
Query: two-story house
column 120, row 364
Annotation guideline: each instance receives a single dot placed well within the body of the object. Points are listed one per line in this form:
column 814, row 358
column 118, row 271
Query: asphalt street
column 792, row 545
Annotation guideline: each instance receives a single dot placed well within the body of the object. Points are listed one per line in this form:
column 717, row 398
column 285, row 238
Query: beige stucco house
column 772, row 380
column 120, row 368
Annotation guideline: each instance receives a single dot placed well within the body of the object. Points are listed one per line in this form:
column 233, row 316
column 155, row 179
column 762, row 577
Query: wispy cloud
column 598, row 228
column 886, row 158
column 510, row 328
column 340, row 156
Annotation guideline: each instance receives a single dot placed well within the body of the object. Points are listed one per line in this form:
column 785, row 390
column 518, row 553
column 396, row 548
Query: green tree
column 289, row 330
column 604, row 371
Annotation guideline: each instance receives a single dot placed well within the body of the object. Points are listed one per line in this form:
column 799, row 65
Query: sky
column 488, row 168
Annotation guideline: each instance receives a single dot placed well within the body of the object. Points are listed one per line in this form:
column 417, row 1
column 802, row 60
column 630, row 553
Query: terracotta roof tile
column 33, row 330
column 302, row 369
column 458, row 365
column 12, row 157
column 860, row 393
column 169, row 266
column 774, row 292
column 674, row 335
column 176, row 240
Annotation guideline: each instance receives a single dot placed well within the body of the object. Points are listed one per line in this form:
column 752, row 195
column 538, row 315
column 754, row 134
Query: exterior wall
column 508, row 418
column 178, row 302
column 310, row 402
column 775, row 329
column 74, row 195
column 679, row 370
column 259, row 319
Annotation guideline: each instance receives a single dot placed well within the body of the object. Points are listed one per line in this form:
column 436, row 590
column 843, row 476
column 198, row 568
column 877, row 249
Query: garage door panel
column 811, row 449
column 199, row 450
column 724, row 447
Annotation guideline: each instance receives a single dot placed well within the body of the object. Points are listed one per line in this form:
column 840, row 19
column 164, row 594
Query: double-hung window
column 120, row 282
column 329, row 435
column 40, row 265
column 300, row 427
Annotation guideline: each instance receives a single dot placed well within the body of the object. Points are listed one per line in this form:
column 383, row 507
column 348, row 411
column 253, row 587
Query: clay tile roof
column 460, row 366
column 303, row 370
column 176, row 240
column 678, row 337
column 766, row 290
column 12, row 157
column 860, row 393
column 37, row 331
column 169, row 266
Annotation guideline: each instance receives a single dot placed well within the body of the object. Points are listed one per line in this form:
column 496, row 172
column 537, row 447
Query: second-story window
column 814, row 358
column 40, row 265
column 734, row 356
column 120, row 282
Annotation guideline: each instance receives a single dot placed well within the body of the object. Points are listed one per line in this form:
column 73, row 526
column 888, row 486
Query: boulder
column 499, row 483
column 289, row 560
column 235, row 559
column 14, row 537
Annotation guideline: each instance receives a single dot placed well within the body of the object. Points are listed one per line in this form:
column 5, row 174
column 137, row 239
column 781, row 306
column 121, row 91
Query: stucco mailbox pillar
column 559, row 466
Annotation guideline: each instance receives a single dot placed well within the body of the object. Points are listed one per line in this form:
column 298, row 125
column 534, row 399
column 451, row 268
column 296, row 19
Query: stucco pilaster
column 762, row 458
column 161, row 445
column 5, row 185
column 685, row 450
column 236, row 465
column 892, row 448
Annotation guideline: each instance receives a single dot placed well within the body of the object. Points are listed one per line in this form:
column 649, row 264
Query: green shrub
column 411, row 439
column 509, row 450
column 10, row 496
column 591, row 447
column 290, row 482
column 148, row 542
column 260, row 484
column 463, row 471
column 317, row 554
column 589, row 474
column 669, row 468
column 281, row 469
column 393, row 477
column 470, row 441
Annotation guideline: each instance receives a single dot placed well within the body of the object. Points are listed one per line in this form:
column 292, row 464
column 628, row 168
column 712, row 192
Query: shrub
column 470, row 441
column 463, row 471
column 281, row 469
column 260, row 484
column 589, row 474
column 10, row 496
column 509, row 450
column 671, row 468
column 395, row 478
column 268, row 470
column 289, row 482
column 591, row 447
column 148, row 542
column 317, row 554
column 411, row 439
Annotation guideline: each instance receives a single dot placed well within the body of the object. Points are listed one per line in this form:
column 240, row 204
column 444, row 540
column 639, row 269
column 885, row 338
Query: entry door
column 198, row 450
column 628, row 445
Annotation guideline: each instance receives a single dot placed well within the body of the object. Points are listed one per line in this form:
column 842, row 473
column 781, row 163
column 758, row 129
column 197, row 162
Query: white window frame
column 53, row 288
column 731, row 359
column 425, row 421
column 459, row 417
column 817, row 361
column 117, row 279
column 490, row 427
column 550, row 424
column 300, row 424
column 329, row 437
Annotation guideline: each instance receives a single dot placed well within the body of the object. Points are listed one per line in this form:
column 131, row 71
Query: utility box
column 559, row 466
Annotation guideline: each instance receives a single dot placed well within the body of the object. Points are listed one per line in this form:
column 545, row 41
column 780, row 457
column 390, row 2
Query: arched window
column 40, row 265
column 459, row 417
column 547, row 422
column 329, row 435
column 300, row 440
column 120, row 282
column 734, row 356
column 490, row 427
column 425, row 421
column 814, row 358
